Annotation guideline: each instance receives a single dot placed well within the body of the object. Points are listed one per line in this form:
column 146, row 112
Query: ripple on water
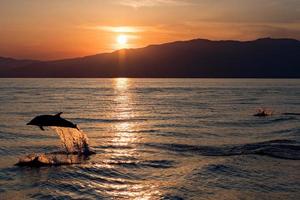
column 284, row 149
column 155, row 138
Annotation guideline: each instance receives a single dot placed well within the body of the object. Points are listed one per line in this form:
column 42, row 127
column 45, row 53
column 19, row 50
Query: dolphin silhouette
column 51, row 120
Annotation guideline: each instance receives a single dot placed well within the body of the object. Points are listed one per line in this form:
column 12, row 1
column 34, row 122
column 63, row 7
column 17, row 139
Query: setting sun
column 122, row 39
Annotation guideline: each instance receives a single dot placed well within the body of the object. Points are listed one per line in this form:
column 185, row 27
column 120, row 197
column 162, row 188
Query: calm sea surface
column 155, row 138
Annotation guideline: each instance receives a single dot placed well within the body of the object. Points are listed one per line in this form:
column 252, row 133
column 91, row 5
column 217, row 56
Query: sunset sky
column 55, row 29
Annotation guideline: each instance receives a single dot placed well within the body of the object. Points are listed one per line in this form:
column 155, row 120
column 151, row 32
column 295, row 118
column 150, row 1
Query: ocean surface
column 155, row 138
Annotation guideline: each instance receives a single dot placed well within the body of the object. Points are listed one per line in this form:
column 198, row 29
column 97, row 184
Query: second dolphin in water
column 51, row 120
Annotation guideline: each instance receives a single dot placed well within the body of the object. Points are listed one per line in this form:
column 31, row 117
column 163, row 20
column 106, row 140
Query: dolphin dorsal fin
column 58, row 114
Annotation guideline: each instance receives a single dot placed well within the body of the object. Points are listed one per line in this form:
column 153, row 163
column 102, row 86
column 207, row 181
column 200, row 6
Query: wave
column 13, row 136
column 279, row 119
column 296, row 114
column 284, row 131
column 21, row 150
column 161, row 164
column 93, row 120
column 284, row 149
column 254, row 122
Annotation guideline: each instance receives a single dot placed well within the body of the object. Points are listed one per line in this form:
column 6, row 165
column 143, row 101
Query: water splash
column 75, row 143
column 73, row 140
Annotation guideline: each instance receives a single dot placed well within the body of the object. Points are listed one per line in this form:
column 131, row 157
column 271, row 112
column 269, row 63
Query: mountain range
column 261, row 58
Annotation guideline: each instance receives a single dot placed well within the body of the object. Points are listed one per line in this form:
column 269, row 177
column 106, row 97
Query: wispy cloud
column 232, row 31
column 120, row 29
column 151, row 3
column 131, row 30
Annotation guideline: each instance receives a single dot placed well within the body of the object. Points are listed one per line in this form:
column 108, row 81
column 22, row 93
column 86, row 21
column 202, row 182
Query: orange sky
column 55, row 29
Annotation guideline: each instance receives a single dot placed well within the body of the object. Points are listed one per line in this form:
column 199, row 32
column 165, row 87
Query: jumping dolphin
column 51, row 120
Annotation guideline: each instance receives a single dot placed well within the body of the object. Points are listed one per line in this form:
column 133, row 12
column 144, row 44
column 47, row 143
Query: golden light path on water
column 123, row 109
column 125, row 134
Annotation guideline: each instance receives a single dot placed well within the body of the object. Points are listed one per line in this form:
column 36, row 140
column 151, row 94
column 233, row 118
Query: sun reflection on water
column 124, row 113
column 122, row 150
column 121, row 84
column 125, row 135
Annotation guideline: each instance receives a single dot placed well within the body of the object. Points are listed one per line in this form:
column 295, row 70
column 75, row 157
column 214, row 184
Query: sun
column 122, row 39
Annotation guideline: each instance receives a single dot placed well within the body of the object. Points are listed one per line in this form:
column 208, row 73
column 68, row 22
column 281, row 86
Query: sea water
column 155, row 138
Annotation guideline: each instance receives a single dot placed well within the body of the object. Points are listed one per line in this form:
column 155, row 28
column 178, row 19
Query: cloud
column 230, row 31
column 151, row 3
column 127, row 29
column 120, row 29
column 274, row 30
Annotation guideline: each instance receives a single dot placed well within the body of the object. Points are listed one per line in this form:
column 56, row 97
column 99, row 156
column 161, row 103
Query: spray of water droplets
column 73, row 140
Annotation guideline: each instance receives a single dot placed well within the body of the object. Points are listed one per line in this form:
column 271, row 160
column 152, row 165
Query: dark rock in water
column 263, row 113
column 53, row 159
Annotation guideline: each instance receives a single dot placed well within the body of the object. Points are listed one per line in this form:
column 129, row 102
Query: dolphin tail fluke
column 41, row 128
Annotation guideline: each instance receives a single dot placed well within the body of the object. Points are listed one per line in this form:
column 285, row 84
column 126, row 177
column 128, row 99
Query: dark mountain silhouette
column 195, row 58
column 10, row 63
